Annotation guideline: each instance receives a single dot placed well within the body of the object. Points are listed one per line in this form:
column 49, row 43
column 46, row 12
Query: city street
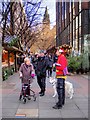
column 40, row 35
column 42, row 107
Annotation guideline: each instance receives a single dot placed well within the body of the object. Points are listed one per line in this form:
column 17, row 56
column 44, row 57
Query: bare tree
column 21, row 20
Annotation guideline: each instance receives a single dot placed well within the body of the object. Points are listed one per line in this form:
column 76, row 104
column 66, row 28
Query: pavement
column 42, row 107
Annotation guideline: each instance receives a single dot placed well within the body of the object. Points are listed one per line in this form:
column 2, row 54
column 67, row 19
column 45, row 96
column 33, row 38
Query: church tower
column 46, row 19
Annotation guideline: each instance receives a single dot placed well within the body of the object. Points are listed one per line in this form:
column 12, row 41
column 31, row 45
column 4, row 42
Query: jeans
column 61, row 91
column 42, row 83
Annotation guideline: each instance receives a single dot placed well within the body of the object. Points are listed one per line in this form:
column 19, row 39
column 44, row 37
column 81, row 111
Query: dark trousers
column 42, row 83
column 49, row 71
column 61, row 91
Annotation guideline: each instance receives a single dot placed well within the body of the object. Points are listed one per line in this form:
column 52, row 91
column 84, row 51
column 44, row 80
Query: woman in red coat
column 60, row 67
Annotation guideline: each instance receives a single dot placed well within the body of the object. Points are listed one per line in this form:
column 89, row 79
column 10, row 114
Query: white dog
column 68, row 87
column 53, row 81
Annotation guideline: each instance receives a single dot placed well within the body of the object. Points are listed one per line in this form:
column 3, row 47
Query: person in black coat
column 41, row 68
column 50, row 66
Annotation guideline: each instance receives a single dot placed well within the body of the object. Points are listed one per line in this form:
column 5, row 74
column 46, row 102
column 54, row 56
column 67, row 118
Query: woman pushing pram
column 26, row 76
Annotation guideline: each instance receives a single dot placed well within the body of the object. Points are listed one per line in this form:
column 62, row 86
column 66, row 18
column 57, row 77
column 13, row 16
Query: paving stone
column 70, row 107
column 82, row 106
column 72, row 114
column 42, row 107
column 8, row 104
column 29, row 105
column 85, row 112
column 0, row 111
column 8, row 112
column 49, row 114
column 28, row 112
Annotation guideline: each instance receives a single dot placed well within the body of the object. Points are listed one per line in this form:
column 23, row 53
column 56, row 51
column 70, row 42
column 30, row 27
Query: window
column 80, row 5
column 80, row 19
column 70, row 7
column 73, row 13
column 80, row 44
column 80, row 31
column 73, row 3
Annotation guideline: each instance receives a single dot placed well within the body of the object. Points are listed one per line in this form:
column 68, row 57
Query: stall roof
column 15, row 49
column 7, row 40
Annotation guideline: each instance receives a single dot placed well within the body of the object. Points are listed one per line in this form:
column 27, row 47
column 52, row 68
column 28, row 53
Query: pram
column 26, row 90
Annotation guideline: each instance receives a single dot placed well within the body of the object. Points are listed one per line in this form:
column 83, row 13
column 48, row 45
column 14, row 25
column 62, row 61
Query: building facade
column 73, row 25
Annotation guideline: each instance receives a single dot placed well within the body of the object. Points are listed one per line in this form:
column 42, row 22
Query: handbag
column 65, row 71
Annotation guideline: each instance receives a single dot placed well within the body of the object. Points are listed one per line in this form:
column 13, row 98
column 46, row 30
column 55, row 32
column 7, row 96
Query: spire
column 46, row 18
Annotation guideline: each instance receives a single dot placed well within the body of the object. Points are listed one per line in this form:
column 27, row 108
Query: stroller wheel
column 29, row 98
column 24, row 100
column 20, row 97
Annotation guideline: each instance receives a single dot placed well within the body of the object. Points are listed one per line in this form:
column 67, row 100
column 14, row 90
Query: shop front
column 9, row 61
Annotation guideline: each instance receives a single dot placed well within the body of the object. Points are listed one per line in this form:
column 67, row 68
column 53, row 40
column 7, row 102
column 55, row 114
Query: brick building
column 73, row 25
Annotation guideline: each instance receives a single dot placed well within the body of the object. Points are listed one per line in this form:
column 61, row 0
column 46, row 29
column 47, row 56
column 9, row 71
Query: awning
column 13, row 48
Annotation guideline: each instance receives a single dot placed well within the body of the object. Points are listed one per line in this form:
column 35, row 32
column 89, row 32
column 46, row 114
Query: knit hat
column 61, row 51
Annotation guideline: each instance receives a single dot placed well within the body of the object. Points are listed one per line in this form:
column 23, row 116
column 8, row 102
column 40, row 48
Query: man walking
column 60, row 66
column 41, row 68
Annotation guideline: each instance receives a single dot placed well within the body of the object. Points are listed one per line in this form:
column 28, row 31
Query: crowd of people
column 42, row 64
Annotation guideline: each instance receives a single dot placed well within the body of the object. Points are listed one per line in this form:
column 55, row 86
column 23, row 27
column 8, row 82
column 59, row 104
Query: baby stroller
column 27, row 92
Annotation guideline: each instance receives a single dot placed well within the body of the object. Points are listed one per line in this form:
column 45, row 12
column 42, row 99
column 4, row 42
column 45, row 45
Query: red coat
column 63, row 62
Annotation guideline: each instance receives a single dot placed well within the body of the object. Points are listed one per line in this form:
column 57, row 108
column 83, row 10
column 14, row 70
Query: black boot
column 57, row 107
column 42, row 94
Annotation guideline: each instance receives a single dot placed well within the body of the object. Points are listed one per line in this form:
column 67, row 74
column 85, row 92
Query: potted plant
column 5, row 74
column 74, row 63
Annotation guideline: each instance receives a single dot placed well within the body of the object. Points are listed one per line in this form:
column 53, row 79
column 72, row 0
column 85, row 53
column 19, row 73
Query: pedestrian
column 60, row 66
column 25, row 71
column 18, row 62
column 41, row 68
column 34, row 61
column 55, row 58
column 50, row 66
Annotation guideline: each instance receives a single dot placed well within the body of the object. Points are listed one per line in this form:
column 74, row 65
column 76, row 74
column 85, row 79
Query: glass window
column 73, row 4
column 77, row 22
column 70, row 28
column 77, row 33
column 73, row 13
column 65, row 10
column 80, row 31
column 76, row 44
column 80, row 44
column 70, row 6
column 80, row 5
column 80, row 19
column 70, row 17
column 59, row 7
